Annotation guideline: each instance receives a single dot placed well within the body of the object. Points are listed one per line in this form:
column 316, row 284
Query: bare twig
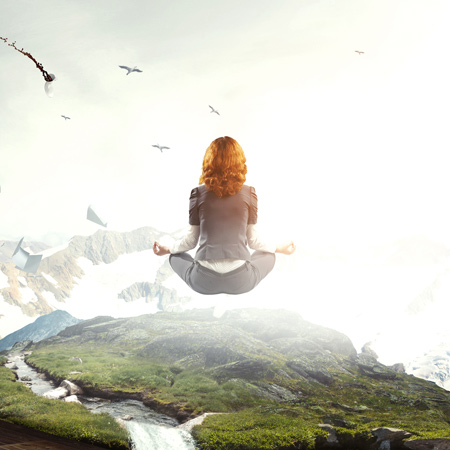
column 47, row 77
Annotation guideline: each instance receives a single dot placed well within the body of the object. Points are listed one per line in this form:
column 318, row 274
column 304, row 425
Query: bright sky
column 342, row 148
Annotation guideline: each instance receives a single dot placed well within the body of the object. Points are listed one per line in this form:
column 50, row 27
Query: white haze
column 344, row 150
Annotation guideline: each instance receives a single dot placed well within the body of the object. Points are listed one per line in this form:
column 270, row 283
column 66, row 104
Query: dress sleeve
column 193, row 208
column 253, row 212
column 256, row 243
column 187, row 242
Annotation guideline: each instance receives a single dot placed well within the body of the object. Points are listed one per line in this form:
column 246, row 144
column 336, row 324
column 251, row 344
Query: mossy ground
column 19, row 405
column 353, row 403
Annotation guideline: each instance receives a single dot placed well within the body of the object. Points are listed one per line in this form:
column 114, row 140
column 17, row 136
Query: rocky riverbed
column 147, row 428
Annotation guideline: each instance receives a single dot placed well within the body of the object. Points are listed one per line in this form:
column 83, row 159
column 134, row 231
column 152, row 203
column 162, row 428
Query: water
column 38, row 384
column 159, row 437
column 148, row 429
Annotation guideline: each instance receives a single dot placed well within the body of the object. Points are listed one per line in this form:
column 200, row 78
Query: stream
column 148, row 429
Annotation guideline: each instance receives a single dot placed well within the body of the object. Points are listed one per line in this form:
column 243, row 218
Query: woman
column 222, row 216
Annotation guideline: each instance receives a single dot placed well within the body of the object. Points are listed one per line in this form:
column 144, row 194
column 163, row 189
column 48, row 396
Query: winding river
column 148, row 429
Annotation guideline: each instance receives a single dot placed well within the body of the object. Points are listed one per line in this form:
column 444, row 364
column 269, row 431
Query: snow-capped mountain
column 395, row 296
column 433, row 365
column 106, row 273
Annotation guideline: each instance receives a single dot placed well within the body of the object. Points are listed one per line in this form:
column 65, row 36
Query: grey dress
column 223, row 226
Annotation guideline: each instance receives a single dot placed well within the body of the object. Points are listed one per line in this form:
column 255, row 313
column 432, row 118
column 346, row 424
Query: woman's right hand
column 286, row 248
column 160, row 250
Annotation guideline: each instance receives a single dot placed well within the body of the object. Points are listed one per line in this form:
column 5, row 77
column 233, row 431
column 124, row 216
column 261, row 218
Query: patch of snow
column 49, row 278
column 22, row 280
column 97, row 292
column 3, row 280
column 27, row 295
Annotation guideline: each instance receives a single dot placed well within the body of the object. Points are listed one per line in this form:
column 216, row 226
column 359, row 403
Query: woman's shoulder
column 200, row 188
column 198, row 192
column 248, row 189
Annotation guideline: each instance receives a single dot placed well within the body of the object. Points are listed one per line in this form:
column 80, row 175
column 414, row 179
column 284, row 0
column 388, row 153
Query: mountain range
column 108, row 271
column 393, row 296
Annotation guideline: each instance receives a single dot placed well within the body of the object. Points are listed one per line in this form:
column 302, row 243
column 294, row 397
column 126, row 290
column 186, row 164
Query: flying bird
column 160, row 147
column 359, row 52
column 134, row 69
column 213, row 110
column 65, row 117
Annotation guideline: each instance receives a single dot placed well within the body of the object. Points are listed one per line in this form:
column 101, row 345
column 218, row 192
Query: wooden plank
column 18, row 437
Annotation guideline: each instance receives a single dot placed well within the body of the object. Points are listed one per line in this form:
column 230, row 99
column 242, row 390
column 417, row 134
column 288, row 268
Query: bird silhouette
column 160, row 147
column 65, row 117
column 213, row 110
column 359, row 52
column 134, row 69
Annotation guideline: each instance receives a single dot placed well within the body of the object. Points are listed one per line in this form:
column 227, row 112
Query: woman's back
column 223, row 222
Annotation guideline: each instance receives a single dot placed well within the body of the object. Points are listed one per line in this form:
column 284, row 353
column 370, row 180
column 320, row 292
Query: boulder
column 307, row 369
column 72, row 388
column 376, row 371
column 387, row 437
column 75, row 358
column 367, row 350
column 247, row 369
column 332, row 440
column 72, row 399
column 55, row 394
column 398, row 367
column 428, row 444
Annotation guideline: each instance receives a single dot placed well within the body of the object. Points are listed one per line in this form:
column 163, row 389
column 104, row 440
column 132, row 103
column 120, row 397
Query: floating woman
column 222, row 220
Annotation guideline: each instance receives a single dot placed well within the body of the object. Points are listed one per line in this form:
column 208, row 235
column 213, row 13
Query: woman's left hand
column 160, row 250
column 287, row 248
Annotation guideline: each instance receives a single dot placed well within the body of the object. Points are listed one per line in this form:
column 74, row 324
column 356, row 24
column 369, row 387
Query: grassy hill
column 278, row 378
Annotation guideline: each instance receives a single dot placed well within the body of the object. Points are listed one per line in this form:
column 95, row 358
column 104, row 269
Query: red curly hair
column 224, row 167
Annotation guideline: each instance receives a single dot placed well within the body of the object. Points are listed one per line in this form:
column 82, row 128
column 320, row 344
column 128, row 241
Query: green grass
column 253, row 422
column 256, row 428
column 21, row 406
column 168, row 384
